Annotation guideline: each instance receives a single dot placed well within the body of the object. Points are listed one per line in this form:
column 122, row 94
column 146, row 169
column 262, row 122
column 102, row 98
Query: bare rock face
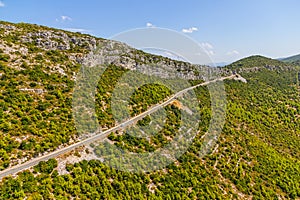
column 7, row 27
column 120, row 54
column 58, row 40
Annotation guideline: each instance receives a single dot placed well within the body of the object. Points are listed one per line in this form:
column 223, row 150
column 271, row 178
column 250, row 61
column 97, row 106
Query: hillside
column 256, row 61
column 256, row 157
column 293, row 59
column 38, row 66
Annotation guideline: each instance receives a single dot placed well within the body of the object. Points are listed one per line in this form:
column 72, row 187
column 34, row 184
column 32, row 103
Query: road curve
column 101, row 135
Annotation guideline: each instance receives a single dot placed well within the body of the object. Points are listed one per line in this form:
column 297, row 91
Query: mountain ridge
column 295, row 59
column 256, row 61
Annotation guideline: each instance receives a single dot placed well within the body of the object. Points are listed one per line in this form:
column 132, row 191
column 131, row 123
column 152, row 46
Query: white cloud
column 189, row 30
column 233, row 53
column 64, row 18
column 2, row 4
column 150, row 25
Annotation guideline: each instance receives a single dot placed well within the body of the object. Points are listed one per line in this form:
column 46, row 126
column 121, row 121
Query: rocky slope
column 27, row 43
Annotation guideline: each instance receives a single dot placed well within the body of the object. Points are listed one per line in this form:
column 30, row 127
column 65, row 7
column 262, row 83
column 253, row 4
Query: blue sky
column 230, row 29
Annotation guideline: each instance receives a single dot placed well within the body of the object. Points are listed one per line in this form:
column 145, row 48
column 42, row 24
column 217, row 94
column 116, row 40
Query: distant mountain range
column 219, row 64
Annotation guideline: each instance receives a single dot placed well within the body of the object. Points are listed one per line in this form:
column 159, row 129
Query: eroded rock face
column 120, row 54
column 53, row 40
column 7, row 27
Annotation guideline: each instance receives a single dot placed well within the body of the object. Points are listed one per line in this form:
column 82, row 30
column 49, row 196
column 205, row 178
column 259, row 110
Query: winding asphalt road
column 104, row 134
